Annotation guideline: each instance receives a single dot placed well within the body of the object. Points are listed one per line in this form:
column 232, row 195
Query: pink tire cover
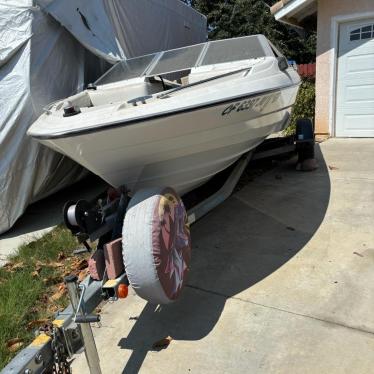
column 157, row 245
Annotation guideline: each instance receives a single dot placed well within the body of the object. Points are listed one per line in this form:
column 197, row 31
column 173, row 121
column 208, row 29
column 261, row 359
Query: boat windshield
column 186, row 58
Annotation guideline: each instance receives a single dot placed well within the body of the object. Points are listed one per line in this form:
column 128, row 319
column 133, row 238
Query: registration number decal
column 256, row 103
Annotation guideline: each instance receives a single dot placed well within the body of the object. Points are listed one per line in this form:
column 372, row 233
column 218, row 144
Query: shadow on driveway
column 240, row 243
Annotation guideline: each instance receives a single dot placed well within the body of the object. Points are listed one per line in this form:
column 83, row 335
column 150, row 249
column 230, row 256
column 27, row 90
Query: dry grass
column 32, row 288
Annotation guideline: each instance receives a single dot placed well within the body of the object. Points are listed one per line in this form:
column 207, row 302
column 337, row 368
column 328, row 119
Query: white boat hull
column 137, row 128
column 184, row 150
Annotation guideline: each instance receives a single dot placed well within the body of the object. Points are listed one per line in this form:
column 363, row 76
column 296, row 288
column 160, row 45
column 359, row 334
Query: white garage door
column 355, row 85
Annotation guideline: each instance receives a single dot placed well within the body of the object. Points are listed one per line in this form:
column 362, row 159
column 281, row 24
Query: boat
column 174, row 118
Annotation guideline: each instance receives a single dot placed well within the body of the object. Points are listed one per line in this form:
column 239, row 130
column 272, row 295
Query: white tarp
column 41, row 61
column 148, row 26
column 32, row 48
column 89, row 23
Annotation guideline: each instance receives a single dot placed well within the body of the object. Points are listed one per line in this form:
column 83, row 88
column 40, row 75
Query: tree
column 233, row 18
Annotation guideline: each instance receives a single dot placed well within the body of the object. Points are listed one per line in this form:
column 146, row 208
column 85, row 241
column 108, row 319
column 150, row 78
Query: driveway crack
column 335, row 323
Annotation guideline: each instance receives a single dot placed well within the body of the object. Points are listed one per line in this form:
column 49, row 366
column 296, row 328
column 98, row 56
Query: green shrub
column 304, row 106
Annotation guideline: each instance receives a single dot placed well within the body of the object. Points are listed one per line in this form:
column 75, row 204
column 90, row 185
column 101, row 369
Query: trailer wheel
column 156, row 245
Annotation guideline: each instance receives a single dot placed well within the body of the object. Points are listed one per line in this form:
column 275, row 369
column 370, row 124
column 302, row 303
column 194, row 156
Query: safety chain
column 60, row 356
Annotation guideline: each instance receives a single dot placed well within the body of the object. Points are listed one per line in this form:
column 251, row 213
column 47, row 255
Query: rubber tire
column 144, row 252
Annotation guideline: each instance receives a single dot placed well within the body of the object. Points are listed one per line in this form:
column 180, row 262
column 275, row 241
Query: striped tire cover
column 156, row 245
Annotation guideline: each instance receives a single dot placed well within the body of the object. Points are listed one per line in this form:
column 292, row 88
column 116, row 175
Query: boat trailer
column 71, row 332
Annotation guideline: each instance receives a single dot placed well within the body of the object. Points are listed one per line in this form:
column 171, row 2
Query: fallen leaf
column 82, row 275
column 16, row 266
column 57, row 295
column 33, row 310
column 40, row 264
column 52, row 308
column 52, row 280
column 10, row 342
column 44, row 298
column 333, row 167
column 82, row 264
column 38, row 268
column 291, row 228
column 56, row 264
column 14, row 344
column 163, row 343
column 36, row 323
column 61, row 256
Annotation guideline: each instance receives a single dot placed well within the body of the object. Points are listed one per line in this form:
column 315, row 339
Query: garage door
column 355, row 84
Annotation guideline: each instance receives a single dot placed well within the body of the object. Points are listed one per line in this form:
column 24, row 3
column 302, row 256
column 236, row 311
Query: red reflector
column 122, row 291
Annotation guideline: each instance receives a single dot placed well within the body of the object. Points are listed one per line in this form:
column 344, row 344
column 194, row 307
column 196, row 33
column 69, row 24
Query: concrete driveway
column 282, row 281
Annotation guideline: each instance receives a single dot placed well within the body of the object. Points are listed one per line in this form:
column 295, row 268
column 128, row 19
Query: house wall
column 327, row 9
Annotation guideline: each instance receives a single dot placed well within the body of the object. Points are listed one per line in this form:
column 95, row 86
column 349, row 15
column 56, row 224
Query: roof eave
column 293, row 12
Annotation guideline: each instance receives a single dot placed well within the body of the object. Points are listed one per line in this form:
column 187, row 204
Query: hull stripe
column 70, row 133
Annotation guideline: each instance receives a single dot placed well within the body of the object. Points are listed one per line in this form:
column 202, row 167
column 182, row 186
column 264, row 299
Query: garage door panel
column 365, row 121
column 362, row 123
column 363, row 63
column 364, row 46
column 355, row 80
column 359, row 94
column 356, row 67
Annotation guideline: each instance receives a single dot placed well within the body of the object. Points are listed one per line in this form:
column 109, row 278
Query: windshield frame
column 262, row 43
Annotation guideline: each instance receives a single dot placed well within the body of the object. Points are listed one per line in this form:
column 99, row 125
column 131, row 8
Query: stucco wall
column 326, row 10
